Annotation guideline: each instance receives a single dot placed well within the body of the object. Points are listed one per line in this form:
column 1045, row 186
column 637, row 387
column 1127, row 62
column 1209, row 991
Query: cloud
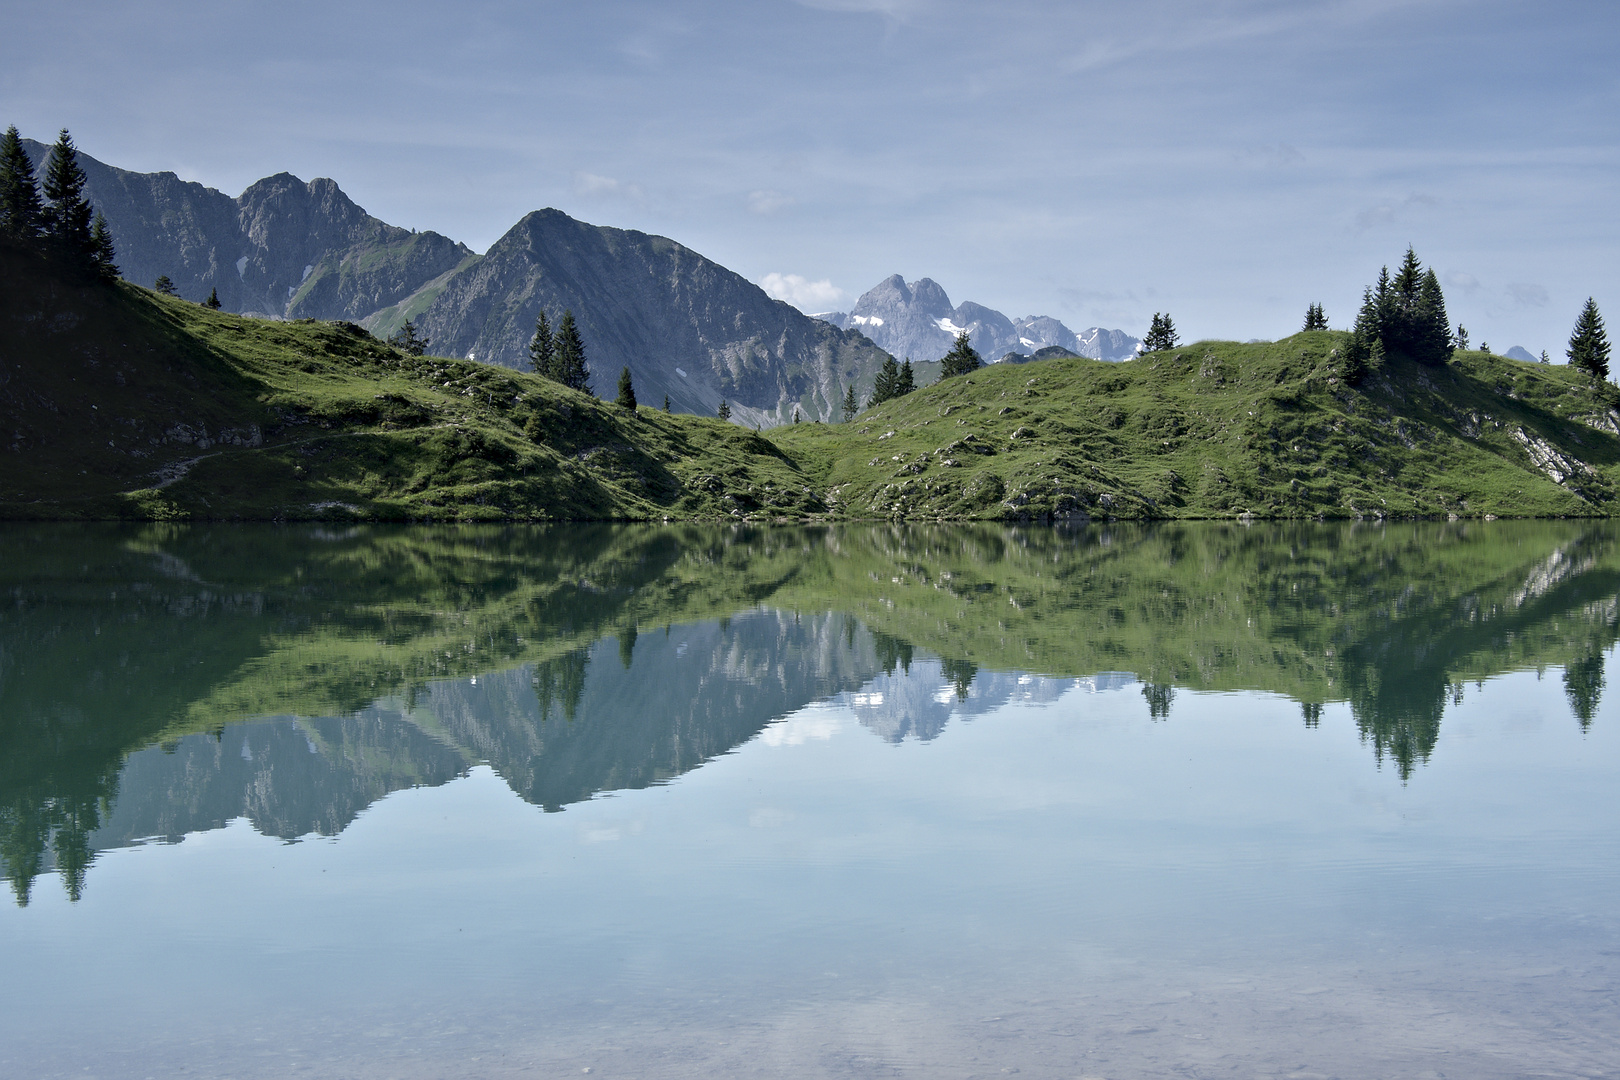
column 1391, row 212
column 894, row 11
column 808, row 296
column 591, row 185
column 1525, row 295
column 1269, row 155
column 1464, row 283
column 768, row 202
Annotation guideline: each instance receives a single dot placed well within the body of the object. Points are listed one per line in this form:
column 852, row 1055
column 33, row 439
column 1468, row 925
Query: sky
column 1227, row 162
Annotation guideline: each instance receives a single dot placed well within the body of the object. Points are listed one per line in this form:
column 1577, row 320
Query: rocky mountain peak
column 917, row 320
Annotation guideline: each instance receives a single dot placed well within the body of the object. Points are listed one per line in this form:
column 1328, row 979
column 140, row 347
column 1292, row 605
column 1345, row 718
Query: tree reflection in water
column 408, row 654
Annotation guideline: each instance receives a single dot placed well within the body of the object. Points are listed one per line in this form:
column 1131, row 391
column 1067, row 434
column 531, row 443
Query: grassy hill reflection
column 582, row 659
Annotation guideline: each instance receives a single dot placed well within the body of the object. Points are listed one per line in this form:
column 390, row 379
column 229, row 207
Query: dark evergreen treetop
column 102, row 255
column 213, row 300
column 886, row 383
column 627, row 392
column 851, row 406
column 961, row 360
column 1315, row 318
column 164, row 285
column 1405, row 314
column 1161, row 334
column 907, row 382
column 542, row 347
column 68, row 215
column 666, row 403
column 20, row 209
column 408, row 341
column 724, row 411
column 568, row 363
column 1589, row 344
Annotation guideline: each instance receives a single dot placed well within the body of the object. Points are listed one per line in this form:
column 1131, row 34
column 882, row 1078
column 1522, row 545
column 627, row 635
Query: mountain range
column 685, row 326
column 917, row 320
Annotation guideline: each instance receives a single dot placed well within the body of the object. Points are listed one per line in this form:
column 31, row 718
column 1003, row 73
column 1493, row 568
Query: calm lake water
column 1193, row 800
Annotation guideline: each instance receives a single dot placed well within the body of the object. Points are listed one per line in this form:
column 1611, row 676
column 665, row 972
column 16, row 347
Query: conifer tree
column 1545, row 359
column 724, row 411
column 213, row 300
column 886, row 382
column 68, row 215
column 666, row 403
column 1161, row 334
column 1462, row 337
column 1315, row 319
column 102, row 255
column 20, row 209
column 165, row 286
column 542, row 347
column 627, row 392
column 408, row 341
column 962, row 359
column 1431, row 324
column 795, row 414
column 906, row 383
column 1589, row 344
column 568, row 363
column 851, row 407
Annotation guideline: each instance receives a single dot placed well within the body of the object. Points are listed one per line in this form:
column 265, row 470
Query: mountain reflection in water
column 160, row 680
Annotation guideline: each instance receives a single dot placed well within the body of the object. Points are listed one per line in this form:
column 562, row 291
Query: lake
column 1196, row 800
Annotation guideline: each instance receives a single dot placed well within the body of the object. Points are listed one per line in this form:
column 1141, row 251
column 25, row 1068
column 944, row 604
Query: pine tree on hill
column 68, row 216
column 1589, row 344
column 408, row 341
column 542, row 347
column 568, row 362
column 666, row 403
column 886, row 382
column 961, row 360
column 213, row 300
column 20, row 209
column 1315, row 319
column 851, row 407
column 1462, row 337
column 102, row 255
column 165, row 286
column 1161, row 334
column 907, row 382
column 1431, row 324
column 724, row 411
column 627, row 392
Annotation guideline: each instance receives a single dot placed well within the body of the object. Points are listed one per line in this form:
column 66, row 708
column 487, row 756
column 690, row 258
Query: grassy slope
column 117, row 402
column 1217, row 429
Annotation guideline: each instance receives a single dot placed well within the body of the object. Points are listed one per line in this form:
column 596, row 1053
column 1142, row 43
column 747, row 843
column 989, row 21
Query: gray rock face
column 283, row 248
column 685, row 326
column 917, row 320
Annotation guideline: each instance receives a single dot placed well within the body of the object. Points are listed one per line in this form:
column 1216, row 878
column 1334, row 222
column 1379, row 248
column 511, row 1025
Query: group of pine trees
column 559, row 354
column 1404, row 315
column 893, row 380
column 52, row 217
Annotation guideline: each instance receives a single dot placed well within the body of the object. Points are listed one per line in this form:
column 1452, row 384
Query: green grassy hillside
column 116, row 402
column 1219, row 429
